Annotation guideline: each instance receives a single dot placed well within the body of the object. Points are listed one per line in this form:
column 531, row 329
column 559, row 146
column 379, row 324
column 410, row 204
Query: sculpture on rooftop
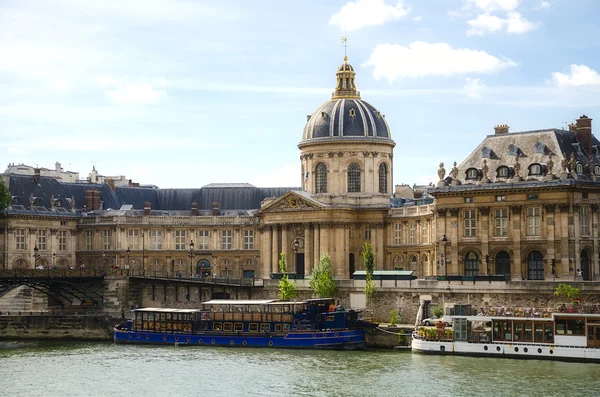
column 442, row 171
column 454, row 172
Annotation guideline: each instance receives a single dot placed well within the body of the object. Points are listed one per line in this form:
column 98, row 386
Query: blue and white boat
column 314, row 323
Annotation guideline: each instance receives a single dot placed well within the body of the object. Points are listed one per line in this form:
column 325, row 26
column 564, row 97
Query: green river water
column 105, row 369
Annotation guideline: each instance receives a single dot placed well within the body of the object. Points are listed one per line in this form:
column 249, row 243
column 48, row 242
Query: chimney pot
column 583, row 126
column 147, row 208
column 501, row 129
column 215, row 208
column 36, row 175
column 194, row 209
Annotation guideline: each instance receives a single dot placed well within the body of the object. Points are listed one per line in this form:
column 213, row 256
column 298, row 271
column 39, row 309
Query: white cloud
column 105, row 81
column 543, row 5
column 421, row 59
column 494, row 5
column 473, row 88
column 487, row 23
column 136, row 94
column 418, row 18
column 579, row 76
column 361, row 13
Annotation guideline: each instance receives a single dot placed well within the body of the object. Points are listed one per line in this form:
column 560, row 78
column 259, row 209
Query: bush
column 437, row 311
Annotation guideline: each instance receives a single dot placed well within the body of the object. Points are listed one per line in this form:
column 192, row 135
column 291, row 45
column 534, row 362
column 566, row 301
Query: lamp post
column 191, row 255
column 143, row 255
column 445, row 244
column 487, row 264
column 296, row 247
column 103, row 261
column 53, row 260
column 226, row 275
column 127, row 264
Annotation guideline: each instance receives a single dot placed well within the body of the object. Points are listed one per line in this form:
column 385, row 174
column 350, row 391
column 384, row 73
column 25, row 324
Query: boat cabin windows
column 228, row 327
column 286, row 327
column 253, row 327
column 217, row 326
column 568, row 326
column 543, row 333
column 278, row 327
column 460, row 329
column 265, row 327
column 238, row 326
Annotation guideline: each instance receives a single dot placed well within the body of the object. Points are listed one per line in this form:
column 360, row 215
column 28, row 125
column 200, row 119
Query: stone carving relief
column 563, row 207
column 485, row 211
column 454, row 211
column 550, row 207
column 516, row 209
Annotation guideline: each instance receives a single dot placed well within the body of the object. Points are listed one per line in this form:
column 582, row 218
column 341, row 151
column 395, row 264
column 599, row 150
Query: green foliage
column 367, row 254
column 287, row 289
column 322, row 282
column 401, row 340
column 567, row 291
column 395, row 317
column 437, row 311
column 5, row 196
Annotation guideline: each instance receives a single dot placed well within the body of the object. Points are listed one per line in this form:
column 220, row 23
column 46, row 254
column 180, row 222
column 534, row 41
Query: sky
column 183, row 93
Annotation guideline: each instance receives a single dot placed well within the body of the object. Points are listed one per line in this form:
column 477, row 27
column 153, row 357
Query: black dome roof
column 346, row 118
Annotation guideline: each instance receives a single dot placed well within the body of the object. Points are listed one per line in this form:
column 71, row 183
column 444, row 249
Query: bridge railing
column 57, row 272
column 186, row 276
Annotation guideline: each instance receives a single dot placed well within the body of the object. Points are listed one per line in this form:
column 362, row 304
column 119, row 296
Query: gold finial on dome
column 345, row 87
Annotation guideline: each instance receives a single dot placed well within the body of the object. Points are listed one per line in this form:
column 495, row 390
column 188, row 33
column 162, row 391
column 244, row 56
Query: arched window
column 502, row 172
column 579, row 168
column 471, row 264
column 382, row 178
column 156, row 263
column 321, row 178
column 535, row 169
column 398, row 262
column 354, row 178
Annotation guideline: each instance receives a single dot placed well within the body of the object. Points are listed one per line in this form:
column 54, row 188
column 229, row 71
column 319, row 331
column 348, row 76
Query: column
column 317, row 245
column 308, row 249
column 265, row 250
column 275, row 249
column 289, row 259
column 337, row 232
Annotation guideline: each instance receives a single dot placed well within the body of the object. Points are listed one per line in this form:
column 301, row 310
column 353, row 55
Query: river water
column 106, row 369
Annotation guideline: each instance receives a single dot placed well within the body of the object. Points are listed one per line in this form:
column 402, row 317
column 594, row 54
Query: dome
column 346, row 115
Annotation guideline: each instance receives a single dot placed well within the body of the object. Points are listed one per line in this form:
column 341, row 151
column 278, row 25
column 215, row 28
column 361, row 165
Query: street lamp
column 445, row 244
column 127, row 264
column 53, row 260
column 143, row 255
column 487, row 264
column 191, row 255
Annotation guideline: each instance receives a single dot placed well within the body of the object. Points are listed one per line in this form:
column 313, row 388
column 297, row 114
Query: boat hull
column 508, row 350
column 341, row 339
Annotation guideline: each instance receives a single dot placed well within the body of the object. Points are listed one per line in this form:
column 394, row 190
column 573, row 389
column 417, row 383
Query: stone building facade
column 521, row 206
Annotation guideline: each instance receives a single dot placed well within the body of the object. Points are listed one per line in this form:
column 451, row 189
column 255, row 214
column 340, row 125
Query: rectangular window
column 62, row 240
column 157, row 239
column 106, row 240
column 133, row 239
column 501, row 222
column 468, row 199
column 20, row 239
column 412, row 233
column 470, row 223
column 367, row 232
column 203, row 240
column 248, row 239
column 41, row 240
column 226, row 239
column 425, row 233
column 584, row 219
column 397, row 233
column 532, row 197
column 534, row 219
column 89, row 240
column 180, row 240
column 500, row 198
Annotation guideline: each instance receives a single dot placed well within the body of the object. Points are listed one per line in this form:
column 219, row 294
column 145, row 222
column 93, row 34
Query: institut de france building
column 522, row 205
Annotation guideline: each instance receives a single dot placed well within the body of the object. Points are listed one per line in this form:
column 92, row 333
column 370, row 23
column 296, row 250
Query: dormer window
column 513, row 150
column 58, row 203
column 472, row 173
column 323, row 114
column 486, row 152
column 352, row 113
column 16, row 200
column 535, row 169
column 579, row 168
column 597, row 170
column 502, row 172
column 540, row 148
column 38, row 202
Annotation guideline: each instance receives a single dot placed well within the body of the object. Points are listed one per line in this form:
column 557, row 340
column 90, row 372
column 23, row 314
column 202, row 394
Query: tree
column 5, row 196
column 567, row 291
column 367, row 254
column 287, row 289
column 322, row 282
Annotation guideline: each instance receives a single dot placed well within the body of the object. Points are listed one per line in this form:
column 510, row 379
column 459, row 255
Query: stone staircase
column 17, row 299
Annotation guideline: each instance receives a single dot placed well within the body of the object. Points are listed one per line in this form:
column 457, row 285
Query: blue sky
column 184, row 93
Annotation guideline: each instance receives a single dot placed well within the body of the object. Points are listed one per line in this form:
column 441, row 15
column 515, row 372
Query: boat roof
column 386, row 272
column 241, row 302
column 166, row 310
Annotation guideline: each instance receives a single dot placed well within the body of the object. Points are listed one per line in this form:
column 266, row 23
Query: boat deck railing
column 543, row 312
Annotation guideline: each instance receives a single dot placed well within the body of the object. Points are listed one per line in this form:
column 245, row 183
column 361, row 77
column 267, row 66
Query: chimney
column 573, row 128
column 215, row 208
column 194, row 209
column 36, row 175
column 584, row 133
column 111, row 183
column 147, row 208
column 501, row 129
column 89, row 200
column 96, row 201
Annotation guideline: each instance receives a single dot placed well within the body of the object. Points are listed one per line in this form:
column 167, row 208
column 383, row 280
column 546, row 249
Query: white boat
column 564, row 333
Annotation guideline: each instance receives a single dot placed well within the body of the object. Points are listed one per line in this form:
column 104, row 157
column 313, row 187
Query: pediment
column 292, row 201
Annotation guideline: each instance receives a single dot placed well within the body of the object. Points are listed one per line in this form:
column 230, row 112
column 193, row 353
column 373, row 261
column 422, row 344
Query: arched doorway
column 203, row 268
column 535, row 266
column 351, row 265
column 502, row 261
column 584, row 264
column 471, row 264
